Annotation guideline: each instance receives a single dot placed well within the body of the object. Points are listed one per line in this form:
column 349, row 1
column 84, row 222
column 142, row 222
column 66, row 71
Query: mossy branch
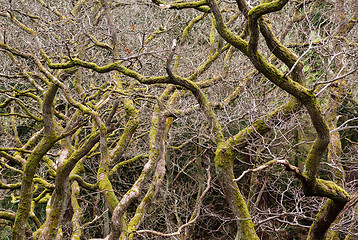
column 10, row 186
column 49, row 138
column 126, row 162
column 224, row 31
column 199, row 5
column 7, row 215
column 198, row 94
column 327, row 189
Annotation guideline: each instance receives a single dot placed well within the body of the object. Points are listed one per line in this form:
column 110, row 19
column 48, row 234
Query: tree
column 191, row 120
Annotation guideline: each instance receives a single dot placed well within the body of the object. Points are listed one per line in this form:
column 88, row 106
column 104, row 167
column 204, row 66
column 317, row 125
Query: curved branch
column 285, row 163
column 199, row 5
column 49, row 138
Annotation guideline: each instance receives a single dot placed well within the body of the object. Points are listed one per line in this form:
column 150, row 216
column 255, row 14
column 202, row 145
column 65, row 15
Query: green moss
column 260, row 125
column 27, row 183
column 313, row 158
column 224, row 155
column 129, row 108
column 153, row 131
column 267, row 7
column 225, row 32
column 44, row 183
column 103, row 127
column 105, row 185
column 118, row 165
column 331, row 190
column 224, row 167
column 190, row 26
column 153, row 35
column 283, row 53
column 77, row 230
column 45, row 199
column 140, row 211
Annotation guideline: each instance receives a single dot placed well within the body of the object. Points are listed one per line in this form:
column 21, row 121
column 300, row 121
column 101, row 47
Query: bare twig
column 288, row 166
column 198, row 206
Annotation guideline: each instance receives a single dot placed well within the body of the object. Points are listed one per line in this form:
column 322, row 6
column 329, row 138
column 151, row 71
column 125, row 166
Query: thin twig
column 288, row 166
column 198, row 206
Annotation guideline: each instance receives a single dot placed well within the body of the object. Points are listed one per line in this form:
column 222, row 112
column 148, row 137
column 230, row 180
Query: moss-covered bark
column 158, row 178
column 49, row 138
column 224, row 158
column 324, row 219
column 314, row 186
column 329, row 212
column 59, row 198
column 66, row 162
column 77, row 211
column 156, row 138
